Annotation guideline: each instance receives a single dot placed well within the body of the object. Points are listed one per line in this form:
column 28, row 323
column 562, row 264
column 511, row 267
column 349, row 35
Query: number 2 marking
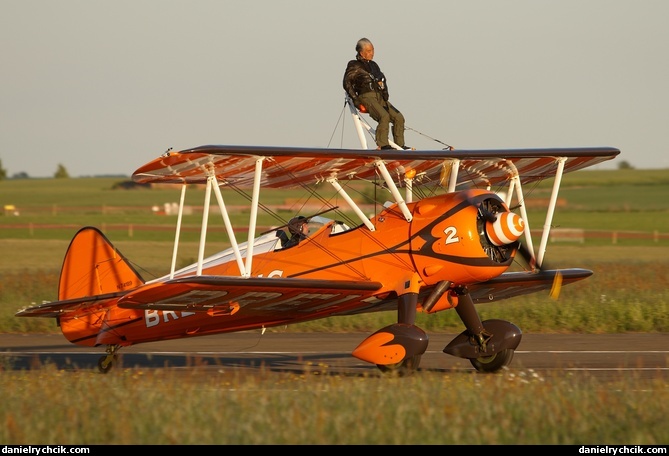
column 451, row 235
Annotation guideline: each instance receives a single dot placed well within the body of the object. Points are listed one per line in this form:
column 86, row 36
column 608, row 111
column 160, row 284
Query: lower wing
column 224, row 295
column 511, row 284
column 219, row 295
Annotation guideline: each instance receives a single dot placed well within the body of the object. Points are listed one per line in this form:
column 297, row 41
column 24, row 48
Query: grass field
column 161, row 407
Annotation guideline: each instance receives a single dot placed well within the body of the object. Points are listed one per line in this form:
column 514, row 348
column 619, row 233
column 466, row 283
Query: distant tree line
column 61, row 173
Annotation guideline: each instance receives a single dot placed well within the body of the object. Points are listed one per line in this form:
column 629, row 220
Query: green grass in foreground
column 135, row 406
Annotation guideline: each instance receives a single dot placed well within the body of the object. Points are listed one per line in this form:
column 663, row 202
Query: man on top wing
column 366, row 84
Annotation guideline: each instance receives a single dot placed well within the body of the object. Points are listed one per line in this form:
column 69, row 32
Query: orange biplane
column 444, row 237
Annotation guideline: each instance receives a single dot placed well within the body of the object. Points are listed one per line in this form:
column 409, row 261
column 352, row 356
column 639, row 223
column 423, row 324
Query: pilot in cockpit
column 298, row 228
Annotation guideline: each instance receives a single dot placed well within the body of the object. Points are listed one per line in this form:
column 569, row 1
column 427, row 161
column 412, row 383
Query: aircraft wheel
column 403, row 368
column 105, row 363
column 493, row 363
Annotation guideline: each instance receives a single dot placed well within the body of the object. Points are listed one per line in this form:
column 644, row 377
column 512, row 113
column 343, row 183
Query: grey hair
column 362, row 42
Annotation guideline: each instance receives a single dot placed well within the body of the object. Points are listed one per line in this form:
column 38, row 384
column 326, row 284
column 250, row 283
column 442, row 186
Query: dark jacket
column 363, row 76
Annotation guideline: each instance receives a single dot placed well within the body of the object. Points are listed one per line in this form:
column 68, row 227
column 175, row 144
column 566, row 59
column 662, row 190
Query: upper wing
column 285, row 167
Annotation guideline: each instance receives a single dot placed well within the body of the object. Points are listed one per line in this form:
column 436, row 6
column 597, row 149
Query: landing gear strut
column 488, row 345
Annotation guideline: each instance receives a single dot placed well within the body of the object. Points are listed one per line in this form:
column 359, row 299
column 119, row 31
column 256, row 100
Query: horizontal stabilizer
column 59, row 308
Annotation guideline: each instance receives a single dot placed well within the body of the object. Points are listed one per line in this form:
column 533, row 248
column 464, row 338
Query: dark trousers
column 384, row 114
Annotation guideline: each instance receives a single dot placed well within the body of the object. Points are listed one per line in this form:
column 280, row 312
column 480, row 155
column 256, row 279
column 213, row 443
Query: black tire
column 493, row 363
column 403, row 368
column 105, row 364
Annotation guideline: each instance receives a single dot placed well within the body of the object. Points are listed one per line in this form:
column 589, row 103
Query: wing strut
column 177, row 233
column 212, row 182
column 335, row 183
column 393, row 189
column 455, row 167
column 203, row 228
column 551, row 210
column 509, row 194
column 408, row 193
column 515, row 182
column 253, row 217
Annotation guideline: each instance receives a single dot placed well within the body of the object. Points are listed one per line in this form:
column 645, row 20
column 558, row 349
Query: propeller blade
column 524, row 252
column 526, row 255
column 557, row 285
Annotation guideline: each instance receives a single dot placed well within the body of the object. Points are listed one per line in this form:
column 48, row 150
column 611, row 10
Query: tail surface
column 93, row 266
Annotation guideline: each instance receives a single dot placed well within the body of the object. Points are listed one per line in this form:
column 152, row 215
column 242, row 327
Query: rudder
column 93, row 266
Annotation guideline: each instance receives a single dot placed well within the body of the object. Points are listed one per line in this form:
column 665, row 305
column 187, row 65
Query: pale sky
column 103, row 87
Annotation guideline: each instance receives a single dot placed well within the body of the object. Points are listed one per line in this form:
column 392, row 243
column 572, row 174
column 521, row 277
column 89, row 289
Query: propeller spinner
column 505, row 229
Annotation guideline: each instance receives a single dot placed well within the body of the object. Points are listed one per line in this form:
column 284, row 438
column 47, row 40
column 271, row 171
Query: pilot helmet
column 295, row 224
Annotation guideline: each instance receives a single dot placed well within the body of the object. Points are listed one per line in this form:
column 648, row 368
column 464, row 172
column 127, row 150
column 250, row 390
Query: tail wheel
column 405, row 367
column 493, row 363
column 105, row 363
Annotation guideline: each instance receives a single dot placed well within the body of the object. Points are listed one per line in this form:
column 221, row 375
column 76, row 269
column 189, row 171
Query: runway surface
column 606, row 356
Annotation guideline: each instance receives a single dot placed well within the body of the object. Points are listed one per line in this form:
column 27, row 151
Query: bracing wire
column 448, row 146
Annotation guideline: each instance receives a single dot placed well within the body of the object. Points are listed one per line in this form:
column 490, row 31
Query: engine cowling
column 463, row 237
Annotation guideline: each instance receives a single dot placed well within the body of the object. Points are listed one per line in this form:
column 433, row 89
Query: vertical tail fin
column 93, row 266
